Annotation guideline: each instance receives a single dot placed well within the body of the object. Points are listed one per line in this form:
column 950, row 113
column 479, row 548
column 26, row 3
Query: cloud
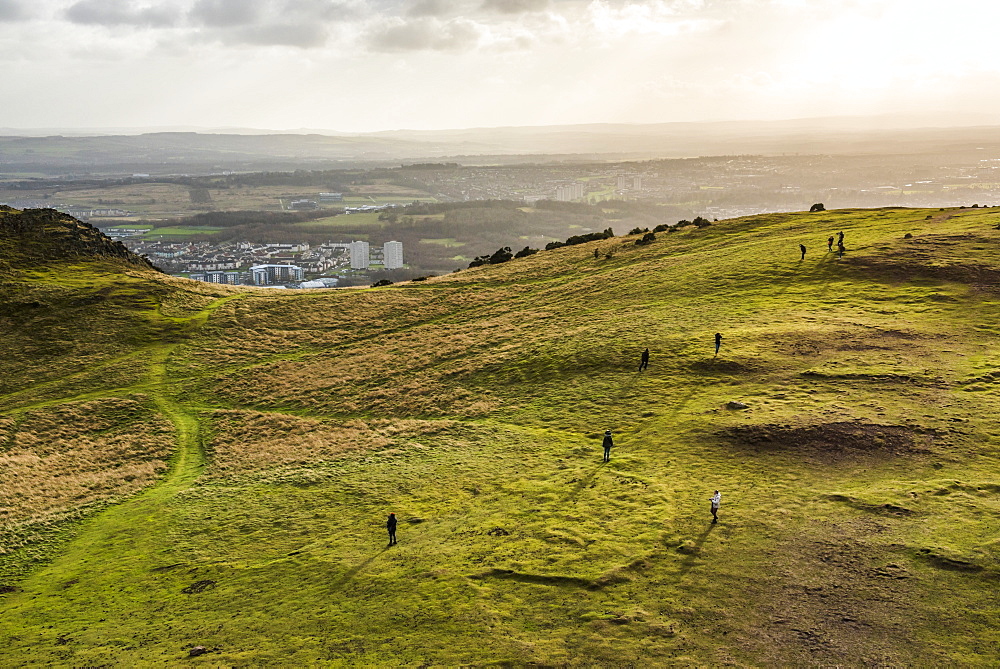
column 120, row 12
column 13, row 10
column 426, row 34
column 515, row 6
column 224, row 13
column 302, row 35
column 437, row 8
column 299, row 23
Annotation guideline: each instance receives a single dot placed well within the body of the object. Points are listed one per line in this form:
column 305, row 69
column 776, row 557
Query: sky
column 368, row 65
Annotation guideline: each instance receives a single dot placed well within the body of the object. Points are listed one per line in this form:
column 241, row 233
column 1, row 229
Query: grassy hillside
column 860, row 486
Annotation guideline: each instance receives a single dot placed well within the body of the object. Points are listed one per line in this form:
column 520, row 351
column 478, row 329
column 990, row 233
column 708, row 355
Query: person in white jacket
column 716, row 501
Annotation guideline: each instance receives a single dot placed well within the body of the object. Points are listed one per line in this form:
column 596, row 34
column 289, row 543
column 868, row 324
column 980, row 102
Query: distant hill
column 192, row 469
column 207, row 152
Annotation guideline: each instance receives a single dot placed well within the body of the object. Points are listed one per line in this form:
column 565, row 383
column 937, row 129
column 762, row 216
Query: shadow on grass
column 351, row 573
column 692, row 551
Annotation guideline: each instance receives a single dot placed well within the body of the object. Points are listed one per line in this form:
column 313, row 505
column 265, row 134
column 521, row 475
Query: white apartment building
column 269, row 275
column 392, row 254
column 360, row 255
column 569, row 192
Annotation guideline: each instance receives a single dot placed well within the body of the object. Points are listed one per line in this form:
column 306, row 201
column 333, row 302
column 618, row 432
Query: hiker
column 829, row 243
column 644, row 360
column 608, row 443
column 840, row 249
column 597, row 253
column 718, row 342
column 840, row 238
column 716, row 500
column 390, row 525
column 802, row 247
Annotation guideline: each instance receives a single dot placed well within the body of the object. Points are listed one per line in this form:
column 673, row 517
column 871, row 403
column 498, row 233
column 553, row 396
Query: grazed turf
column 860, row 486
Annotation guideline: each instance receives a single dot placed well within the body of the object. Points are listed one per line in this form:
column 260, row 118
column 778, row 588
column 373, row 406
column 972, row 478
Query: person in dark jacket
column 390, row 525
column 608, row 443
column 644, row 360
column 802, row 247
column 829, row 243
column 718, row 342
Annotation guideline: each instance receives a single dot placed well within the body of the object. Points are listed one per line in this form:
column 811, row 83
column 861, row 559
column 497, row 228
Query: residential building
column 230, row 278
column 360, row 255
column 269, row 275
column 569, row 192
column 392, row 255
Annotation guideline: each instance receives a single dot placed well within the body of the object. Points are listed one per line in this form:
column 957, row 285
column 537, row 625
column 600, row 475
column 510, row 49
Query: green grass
column 342, row 222
column 447, row 242
column 183, row 231
column 860, row 487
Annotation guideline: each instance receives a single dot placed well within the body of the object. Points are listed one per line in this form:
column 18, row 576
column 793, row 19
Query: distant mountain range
column 162, row 152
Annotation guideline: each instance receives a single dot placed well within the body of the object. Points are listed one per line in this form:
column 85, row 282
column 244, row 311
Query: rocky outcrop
column 35, row 236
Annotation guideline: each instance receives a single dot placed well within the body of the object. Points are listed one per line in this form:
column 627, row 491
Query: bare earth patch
column 831, row 441
column 835, row 600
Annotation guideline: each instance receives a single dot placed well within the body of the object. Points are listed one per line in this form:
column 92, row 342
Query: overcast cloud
column 13, row 10
column 515, row 6
column 225, row 13
column 374, row 64
column 122, row 12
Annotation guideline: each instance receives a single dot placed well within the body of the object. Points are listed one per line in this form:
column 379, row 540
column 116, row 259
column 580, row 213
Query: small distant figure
column 644, row 360
column 716, row 501
column 718, row 342
column 608, row 443
column 802, row 247
column 597, row 253
column 390, row 525
column 829, row 243
column 840, row 238
column 840, row 249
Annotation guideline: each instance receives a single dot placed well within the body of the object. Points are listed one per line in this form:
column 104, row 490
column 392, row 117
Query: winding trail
column 135, row 533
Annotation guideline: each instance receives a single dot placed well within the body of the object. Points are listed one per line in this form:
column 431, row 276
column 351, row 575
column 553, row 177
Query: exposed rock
column 41, row 235
column 736, row 405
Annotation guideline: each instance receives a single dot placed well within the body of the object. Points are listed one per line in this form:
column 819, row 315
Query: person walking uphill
column 716, row 501
column 390, row 525
column 718, row 342
column 644, row 360
column 608, row 443
column 802, row 247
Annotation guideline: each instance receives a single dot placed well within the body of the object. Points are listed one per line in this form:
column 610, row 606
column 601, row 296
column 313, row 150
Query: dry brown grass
column 70, row 455
column 255, row 441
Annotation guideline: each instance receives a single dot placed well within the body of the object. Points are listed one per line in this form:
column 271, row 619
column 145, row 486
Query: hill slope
column 860, row 486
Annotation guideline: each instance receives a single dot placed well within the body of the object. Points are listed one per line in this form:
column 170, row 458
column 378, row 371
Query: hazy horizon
column 833, row 123
column 352, row 66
